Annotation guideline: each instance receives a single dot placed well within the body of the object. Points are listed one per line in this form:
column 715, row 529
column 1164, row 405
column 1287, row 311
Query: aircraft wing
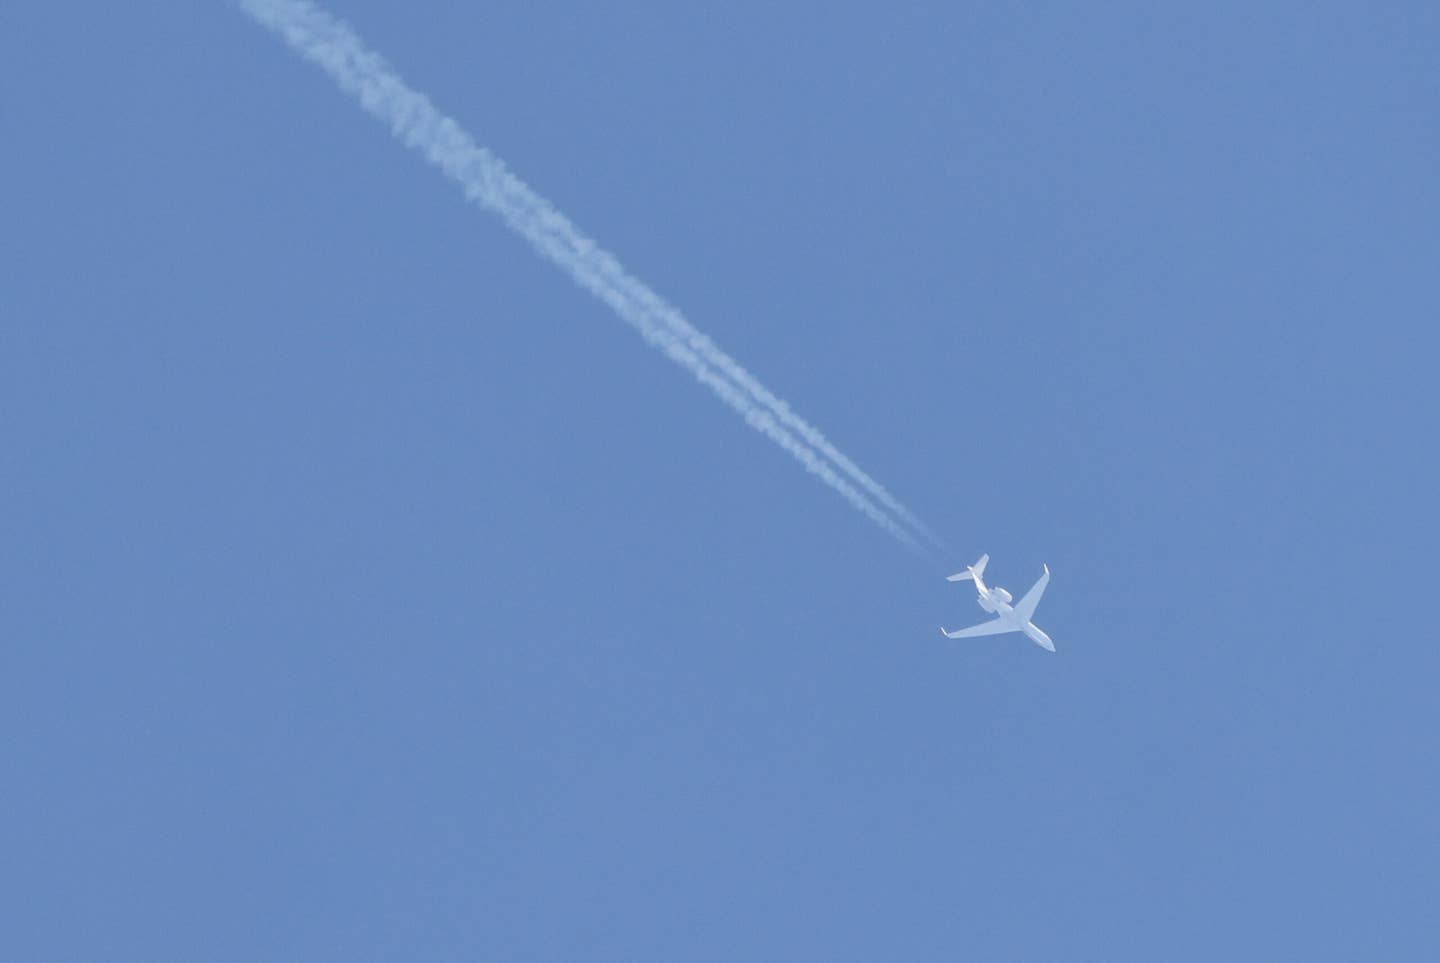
column 993, row 627
column 1025, row 608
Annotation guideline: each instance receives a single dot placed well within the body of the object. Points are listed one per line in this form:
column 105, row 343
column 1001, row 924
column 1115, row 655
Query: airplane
column 1008, row 617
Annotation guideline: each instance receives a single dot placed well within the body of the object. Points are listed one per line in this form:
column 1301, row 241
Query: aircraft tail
column 974, row 571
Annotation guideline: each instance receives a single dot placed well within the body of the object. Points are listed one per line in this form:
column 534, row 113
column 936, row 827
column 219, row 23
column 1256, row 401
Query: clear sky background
column 369, row 592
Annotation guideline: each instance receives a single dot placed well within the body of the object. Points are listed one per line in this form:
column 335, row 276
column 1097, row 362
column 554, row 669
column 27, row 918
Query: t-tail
column 975, row 572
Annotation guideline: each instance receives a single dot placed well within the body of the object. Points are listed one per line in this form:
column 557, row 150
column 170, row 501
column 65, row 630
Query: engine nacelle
column 1002, row 595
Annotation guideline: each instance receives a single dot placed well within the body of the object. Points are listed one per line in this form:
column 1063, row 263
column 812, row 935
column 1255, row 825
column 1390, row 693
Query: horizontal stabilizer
column 974, row 571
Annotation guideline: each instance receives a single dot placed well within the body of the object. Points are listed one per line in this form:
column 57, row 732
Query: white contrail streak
column 336, row 49
column 712, row 353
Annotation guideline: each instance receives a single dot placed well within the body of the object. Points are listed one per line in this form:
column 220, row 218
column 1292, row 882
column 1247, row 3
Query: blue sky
column 372, row 592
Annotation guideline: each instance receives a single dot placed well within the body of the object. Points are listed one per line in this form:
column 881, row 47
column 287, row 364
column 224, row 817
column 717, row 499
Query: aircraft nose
column 1039, row 637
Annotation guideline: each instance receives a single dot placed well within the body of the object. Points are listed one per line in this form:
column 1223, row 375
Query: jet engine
column 999, row 595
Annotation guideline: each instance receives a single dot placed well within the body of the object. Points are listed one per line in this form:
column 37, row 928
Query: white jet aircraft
column 1008, row 617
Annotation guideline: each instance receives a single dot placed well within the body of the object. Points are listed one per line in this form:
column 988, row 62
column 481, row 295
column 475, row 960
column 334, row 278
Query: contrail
column 336, row 49
column 712, row 353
